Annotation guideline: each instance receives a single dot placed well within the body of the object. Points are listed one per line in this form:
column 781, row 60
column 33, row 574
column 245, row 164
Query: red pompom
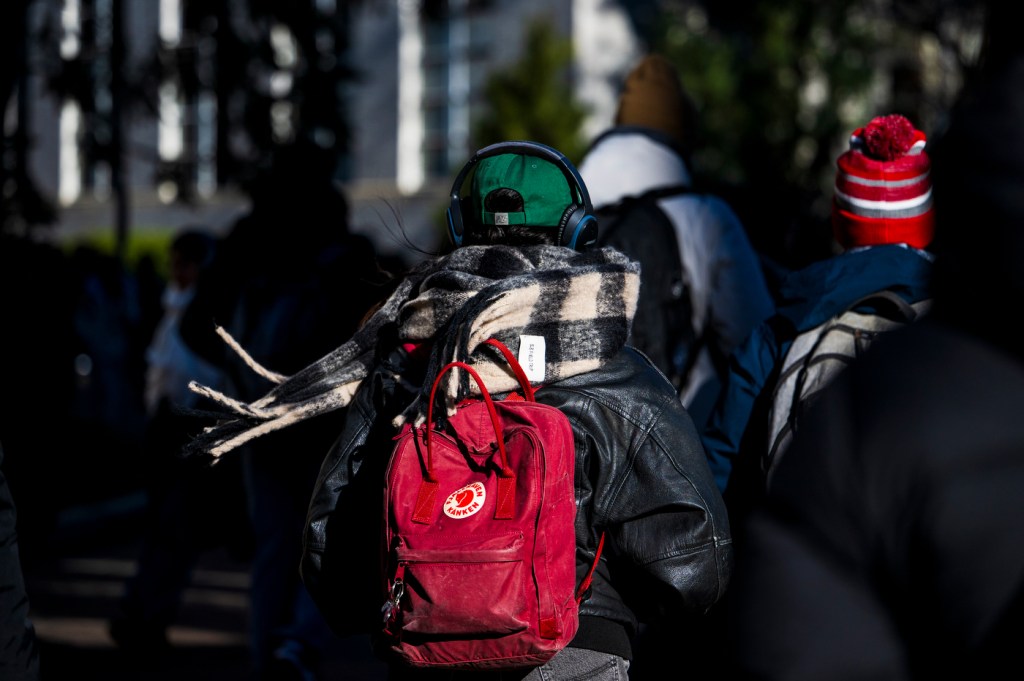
column 888, row 137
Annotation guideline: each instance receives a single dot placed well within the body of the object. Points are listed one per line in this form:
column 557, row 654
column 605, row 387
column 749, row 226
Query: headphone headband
column 578, row 227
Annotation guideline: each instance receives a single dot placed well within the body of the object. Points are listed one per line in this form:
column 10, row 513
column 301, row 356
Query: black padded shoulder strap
column 888, row 304
column 655, row 194
column 640, row 228
column 650, row 196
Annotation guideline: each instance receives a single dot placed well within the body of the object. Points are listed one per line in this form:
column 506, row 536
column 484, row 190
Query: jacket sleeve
column 666, row 520
column 329, row 575
column 750, row 369
column 341, row 538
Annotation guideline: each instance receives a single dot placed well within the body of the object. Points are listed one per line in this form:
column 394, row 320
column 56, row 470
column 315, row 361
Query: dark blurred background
column 125, row 120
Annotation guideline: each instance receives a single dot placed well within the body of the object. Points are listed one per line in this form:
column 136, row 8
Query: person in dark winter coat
column 191, row 508
column 883, row 220
column 889, row 545
column 522, row 267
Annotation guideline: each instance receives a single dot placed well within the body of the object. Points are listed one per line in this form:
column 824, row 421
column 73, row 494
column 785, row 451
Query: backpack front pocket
column 442, row 595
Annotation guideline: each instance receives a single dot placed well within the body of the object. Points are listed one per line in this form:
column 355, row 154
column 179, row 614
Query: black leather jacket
column 641, row 477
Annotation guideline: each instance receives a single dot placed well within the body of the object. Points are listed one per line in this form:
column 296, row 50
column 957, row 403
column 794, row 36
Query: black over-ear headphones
column 578, row 227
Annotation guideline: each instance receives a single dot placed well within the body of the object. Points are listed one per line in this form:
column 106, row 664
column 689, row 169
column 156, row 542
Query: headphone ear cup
column 577, row 228
column 456, row 225
column 585, row 233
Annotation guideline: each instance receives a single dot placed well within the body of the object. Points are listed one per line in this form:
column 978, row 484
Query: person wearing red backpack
column 524, row 271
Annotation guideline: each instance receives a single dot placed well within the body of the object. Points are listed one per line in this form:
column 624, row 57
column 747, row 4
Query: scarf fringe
column 238, row 407
column 271, row 376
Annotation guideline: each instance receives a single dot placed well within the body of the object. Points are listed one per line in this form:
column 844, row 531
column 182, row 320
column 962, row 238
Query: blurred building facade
column 417, row 68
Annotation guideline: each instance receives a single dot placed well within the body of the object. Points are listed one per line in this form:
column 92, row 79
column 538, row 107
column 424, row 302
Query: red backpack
column 480, row 564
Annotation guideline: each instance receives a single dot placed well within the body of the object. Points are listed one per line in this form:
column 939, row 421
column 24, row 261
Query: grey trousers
column 570, row 664
column 579, row 663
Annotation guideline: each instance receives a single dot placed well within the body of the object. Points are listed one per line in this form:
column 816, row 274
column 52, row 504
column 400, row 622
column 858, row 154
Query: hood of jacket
column 628, row 161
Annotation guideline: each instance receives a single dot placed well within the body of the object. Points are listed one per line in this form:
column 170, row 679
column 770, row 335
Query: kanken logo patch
column 465, row 501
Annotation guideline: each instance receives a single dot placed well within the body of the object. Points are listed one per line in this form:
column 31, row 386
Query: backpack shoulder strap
column 888, row 304
column 649, row 196
column 642, row 229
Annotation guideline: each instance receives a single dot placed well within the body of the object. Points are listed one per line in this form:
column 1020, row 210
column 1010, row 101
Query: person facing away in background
column 289, row 282
column 192, row 508
column 882, row 218
column 889, row 545
column 721, row 292
column 522, row 266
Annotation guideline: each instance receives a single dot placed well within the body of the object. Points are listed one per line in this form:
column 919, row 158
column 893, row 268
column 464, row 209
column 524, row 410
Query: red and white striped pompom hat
column 883, row 191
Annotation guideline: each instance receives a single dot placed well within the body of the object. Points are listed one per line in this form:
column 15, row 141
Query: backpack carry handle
column 506, row 476
column 505, row 470
column 422, row 513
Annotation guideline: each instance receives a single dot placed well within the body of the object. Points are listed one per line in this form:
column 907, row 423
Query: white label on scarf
column 531, row 357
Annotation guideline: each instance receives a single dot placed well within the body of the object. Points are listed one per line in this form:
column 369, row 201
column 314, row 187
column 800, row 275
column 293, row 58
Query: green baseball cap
column 542, row 184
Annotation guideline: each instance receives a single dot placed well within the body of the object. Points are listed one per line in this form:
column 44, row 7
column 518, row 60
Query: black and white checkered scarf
column 581, row 303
